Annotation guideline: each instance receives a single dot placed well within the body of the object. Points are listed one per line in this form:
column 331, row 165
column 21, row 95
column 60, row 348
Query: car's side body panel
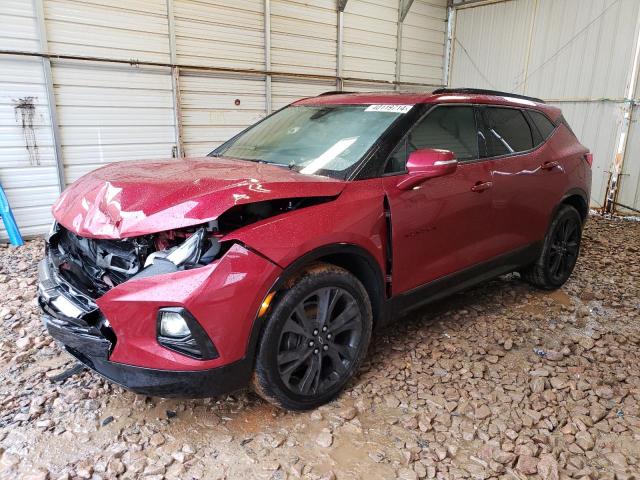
column 356, row 217
column 441, row 226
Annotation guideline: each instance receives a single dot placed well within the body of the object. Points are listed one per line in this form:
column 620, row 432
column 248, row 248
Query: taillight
column 589, row 158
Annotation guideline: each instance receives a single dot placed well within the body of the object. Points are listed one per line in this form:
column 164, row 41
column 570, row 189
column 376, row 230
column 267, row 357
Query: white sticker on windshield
column 389, row 108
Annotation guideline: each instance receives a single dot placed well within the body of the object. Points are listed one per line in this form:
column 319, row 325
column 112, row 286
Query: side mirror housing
column 427, row 163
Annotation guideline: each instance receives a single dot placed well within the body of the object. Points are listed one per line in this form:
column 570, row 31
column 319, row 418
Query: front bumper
column 124, row 349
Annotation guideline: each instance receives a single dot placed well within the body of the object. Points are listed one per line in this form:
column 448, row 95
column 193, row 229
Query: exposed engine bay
column 94, row 266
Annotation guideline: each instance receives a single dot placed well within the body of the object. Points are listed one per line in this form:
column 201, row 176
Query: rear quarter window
column 508, row 131
column 542, row 123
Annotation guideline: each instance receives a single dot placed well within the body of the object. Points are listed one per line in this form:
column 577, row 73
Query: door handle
column 549, row 165
column 481, row 186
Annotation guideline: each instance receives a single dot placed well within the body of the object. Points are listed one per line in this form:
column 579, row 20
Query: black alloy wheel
column 314, row 338
column 559, row 252
column 319, row 341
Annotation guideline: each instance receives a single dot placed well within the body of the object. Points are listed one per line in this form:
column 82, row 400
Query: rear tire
column 315, row 339
column 559, row 253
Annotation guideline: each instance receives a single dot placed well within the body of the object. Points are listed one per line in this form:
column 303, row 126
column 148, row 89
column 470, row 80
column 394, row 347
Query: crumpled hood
column 128, row 199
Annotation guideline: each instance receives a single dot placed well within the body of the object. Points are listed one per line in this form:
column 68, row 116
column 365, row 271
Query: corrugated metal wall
column 575, row 54
column 27, row 160
column 160, row 76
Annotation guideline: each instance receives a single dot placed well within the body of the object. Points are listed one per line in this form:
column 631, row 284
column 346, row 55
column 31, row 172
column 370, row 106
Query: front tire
column 559, row 252
column 314, row 340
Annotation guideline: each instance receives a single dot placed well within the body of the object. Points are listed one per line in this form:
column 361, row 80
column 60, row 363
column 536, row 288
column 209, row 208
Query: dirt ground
column 502, row 381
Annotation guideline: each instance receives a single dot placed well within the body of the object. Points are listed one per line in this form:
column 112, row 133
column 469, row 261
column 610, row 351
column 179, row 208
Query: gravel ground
column 502, row 381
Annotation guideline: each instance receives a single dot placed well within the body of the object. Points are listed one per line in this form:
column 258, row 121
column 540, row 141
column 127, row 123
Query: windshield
column 323, row 140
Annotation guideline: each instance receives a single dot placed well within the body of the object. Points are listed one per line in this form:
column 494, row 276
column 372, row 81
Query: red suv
column 271, row 260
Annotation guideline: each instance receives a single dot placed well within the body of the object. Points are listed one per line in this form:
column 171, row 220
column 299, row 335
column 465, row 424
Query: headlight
column 189, row 251
column 173, row 325
column 179, row 331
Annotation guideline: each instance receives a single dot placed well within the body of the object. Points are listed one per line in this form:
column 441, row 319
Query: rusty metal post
column 613, row 186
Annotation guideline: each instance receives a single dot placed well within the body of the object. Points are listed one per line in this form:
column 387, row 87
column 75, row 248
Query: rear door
column 445, row 224
column 526, row 178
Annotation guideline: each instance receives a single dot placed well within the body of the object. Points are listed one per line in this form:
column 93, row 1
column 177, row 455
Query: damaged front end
column 94, row 266
column 87, row 268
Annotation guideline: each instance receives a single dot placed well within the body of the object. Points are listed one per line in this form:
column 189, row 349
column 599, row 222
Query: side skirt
column 462, row 280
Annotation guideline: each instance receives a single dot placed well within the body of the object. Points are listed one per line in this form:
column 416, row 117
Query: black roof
column 479, row 91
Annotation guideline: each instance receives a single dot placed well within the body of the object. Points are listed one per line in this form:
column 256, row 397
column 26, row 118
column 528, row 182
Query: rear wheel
column 314, row 340
column 559, row 252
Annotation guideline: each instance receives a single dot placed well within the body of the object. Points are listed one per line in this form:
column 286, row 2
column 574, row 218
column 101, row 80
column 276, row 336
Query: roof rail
column 479, row 91
column 334, row 92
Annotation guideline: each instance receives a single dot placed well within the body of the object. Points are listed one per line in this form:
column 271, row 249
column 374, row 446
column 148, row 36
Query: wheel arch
column 353, row 258
column 578, row 199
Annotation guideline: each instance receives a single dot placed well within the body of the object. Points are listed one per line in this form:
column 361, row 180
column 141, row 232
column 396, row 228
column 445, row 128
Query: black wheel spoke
column 345, row 320
column 555, row 264
column 322, row 316
column 289, row 370
column 336, row 362
column 289, row 356
column 309, row 378
column 294, row 327
column 346, row 351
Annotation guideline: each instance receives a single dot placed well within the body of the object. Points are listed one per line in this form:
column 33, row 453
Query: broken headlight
column 197, row 250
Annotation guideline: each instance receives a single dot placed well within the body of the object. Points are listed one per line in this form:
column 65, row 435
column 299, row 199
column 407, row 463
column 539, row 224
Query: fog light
column 173, row 325
column 178, row 330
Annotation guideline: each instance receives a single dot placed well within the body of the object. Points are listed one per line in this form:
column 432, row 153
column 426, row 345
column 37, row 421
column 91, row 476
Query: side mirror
column 427, row 163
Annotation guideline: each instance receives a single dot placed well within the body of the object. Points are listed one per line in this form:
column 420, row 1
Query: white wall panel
column 423, row 40
column 27, row 166
column 209, row 111
column 490, row 47
column 286, row 91
column 220, row 33
column 303, row 36
column 135, row 29
column 370, row 39
column 596, row 63
column 109, row 114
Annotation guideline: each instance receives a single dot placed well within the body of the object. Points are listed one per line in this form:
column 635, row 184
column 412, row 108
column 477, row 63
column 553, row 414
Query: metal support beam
column 175, row 83
column 339, row 47
column 476, row 3
column 613, row 186
column 405, row 6
column 51, row 98
column 448, row 52
column 267, row 56
column 403, row 9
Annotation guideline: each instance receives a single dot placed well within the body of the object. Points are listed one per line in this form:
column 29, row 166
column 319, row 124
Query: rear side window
column 507, row 131
column 542, row 123
column 446, row 128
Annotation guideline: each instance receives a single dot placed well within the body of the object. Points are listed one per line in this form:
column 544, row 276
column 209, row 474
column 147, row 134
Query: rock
column 156, row 439
column 604, row 391
column 324, row 438
column 537, row 385
column 554, row 356
column 84, row 469
column 584, row 440
column 527, row 465
column 482, row 412
column 548, row 467
column 348, row 413
column 508, row 344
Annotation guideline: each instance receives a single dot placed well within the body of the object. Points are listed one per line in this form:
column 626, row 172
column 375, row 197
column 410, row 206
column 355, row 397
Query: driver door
column 445, row 224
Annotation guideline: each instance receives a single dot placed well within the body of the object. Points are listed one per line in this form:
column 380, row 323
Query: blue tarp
column 9, row 221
